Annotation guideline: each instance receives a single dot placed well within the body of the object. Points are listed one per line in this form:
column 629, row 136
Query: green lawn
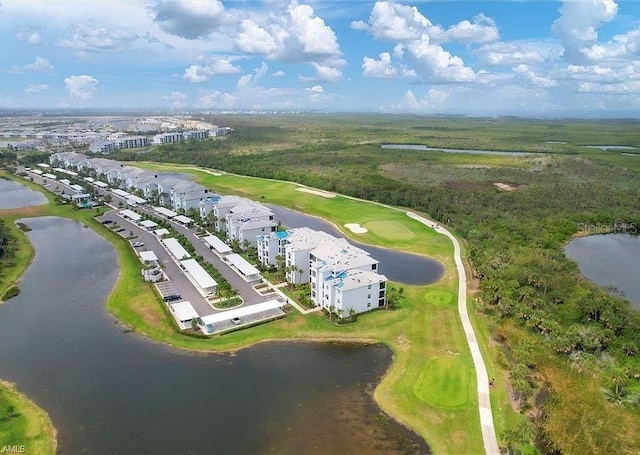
column 23, row 423
column 430, row 385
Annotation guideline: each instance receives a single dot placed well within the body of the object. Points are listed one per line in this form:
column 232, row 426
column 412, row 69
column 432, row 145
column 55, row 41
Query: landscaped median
column 430, row 385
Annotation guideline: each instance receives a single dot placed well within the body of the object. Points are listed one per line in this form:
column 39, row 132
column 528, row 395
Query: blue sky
column 576, row 58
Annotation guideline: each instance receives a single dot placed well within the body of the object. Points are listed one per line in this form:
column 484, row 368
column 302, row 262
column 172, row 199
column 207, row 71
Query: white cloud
column 214, row 67
column 279, row 73
column 435, row 65
column 87, row 37
column 578, row 24
column 251, row 79
column 29, row 36
column 40, row 65
column 216, row 99
column 501, row 53
column 38, row 88
column 620, row 88
column 379, row 69
column 254, row 39
column 315, row 89
column 532, row 78
column 394, row 22
column 81, row 87
column 326, row 73
column 483, row 29
column 178, row 99
column 622, row 46
column 190, row 19
column 433, row 100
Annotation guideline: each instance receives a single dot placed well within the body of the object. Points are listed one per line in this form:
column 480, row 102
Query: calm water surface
column 610, row 260
column 108, row 391
column 395, row 265
column 14, row 195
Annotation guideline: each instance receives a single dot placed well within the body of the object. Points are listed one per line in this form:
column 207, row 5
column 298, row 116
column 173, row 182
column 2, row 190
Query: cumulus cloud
column 190, row 19
column 315, row 89
column 278, row 73
column 29, row 36
column 534, row 79
column 81, row 87
column 40, row 65
column 501, row 53
column 483, row 29
column 216, row 99
column 214, row 67
column 435, row 65
column 394, row 22
column 379, row 69
column 433, row 100
column 252, row 79
column 38, row 88
column 254, row 39
column 177, row 99
column 623, row 46
column 578, row 25
column 87, row 37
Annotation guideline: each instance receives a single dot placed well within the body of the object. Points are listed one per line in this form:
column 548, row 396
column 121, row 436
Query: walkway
column 484, row 402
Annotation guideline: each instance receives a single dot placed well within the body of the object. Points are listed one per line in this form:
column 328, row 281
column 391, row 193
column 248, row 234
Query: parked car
column 107, row 221
column 172, row 297
column 236, row 321
column 137, row 244
column 120, row 230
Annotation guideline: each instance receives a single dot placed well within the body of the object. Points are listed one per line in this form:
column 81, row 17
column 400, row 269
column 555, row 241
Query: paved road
column 484, row 403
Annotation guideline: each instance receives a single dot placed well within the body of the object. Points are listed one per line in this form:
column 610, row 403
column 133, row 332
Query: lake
column 447, row 150
column 395, row 265
column 14, row 195
column 610, row 260
column 109, row 391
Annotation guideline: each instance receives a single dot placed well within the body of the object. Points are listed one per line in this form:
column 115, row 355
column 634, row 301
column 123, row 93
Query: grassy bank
column 430, row 385
column 24, row 424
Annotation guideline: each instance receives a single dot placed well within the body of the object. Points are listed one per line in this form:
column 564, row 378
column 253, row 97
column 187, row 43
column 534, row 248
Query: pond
column 395, row 265
column 111, row 391
column 15, row 195
column 610, row 260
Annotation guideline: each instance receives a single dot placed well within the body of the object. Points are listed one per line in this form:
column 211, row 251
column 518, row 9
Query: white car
column 137, row 244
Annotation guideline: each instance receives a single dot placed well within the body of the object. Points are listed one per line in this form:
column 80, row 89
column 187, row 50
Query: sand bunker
column 316, row 192
column 505, row 186
column 356, row 228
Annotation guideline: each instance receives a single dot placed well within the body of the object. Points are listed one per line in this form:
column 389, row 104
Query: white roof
column 166, row 212
column 183, row 219
column 160, row 232
column 241, row 264
column 36, row 171
column 89, row 179
column 199, row 274
column 100, row 184
column 148, row 224
column 136, row 199
column 77, row 187
column 184, row 311
column 130, row 214
column 50, row 176
column 176, row 249
column 240, row 312
column 121, row 193
column 65, row 181
column 148, row 256
column 217, row 244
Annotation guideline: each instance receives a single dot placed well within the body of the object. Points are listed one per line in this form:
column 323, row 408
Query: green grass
column 23, row 423
column 424, row 330
column 445, row 383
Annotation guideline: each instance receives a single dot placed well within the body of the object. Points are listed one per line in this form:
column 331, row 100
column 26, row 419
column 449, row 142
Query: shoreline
column 148, row 318
column 34, row 413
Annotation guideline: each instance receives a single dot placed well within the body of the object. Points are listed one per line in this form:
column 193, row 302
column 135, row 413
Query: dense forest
column 515, row 213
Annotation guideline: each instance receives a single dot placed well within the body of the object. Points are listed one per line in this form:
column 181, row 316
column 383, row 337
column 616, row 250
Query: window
column 374, row 266
column 368, row 296
column 369, row 287
column 381, row 294
column 368, row 304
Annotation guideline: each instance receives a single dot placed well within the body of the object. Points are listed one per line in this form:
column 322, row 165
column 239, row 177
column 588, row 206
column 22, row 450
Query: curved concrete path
column 484, row 402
